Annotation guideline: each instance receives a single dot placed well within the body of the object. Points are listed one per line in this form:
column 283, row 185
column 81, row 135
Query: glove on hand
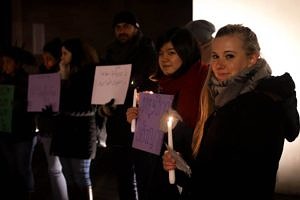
column 107, row 109
column 164, row 119
column 47, row 110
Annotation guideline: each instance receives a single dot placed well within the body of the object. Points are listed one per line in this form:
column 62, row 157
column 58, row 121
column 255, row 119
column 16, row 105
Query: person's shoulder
column 146, row 41
column 282, row 86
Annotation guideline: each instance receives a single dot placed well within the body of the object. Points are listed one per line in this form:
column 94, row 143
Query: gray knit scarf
column 246, row 81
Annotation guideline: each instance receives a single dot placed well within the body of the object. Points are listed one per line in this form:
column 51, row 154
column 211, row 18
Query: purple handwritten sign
column 147, row 136
column 43, row 89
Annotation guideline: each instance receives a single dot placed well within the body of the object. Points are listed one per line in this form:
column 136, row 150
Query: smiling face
column 229, row 57
column 169, row 60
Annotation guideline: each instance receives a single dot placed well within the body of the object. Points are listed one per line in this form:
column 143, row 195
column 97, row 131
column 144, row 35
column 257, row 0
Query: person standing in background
column 75, row 136
column 45, row 123
column 17, row 145
column 130, row 46
column 202, row 30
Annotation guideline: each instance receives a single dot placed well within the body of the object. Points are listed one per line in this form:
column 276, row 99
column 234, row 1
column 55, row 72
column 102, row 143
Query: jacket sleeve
column 291, row 118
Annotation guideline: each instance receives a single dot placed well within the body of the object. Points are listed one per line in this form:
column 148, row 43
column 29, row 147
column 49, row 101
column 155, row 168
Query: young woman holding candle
column 181, row 74
column 246, row 115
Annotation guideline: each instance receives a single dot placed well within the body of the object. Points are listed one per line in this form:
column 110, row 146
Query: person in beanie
column 202, row 30
column 130, row 46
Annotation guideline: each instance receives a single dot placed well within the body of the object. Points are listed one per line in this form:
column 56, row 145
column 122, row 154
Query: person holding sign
column 75, row 137
column 179, row 73
column 46, row 123
column 17, row 139
column 245, row 118
column 130, row 46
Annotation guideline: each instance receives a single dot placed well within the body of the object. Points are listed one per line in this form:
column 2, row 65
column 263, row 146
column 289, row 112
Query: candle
column 170, row 144
column 133, row 122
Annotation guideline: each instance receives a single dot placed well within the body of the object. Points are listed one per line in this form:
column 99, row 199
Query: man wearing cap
column 202, row 30
column 130, row 46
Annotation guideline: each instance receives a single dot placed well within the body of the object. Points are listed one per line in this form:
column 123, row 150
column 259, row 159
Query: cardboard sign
column 148, row 137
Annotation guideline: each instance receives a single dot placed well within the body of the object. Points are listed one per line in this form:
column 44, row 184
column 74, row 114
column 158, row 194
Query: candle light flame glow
column 170, row 121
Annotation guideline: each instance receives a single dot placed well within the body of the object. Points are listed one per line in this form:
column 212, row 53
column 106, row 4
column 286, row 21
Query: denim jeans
column 77, row 171
column 56, row 176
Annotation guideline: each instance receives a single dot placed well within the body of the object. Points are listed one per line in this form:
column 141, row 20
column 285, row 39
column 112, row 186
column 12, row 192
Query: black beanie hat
column 201, row 29
column 125, row 17
column 54, row 48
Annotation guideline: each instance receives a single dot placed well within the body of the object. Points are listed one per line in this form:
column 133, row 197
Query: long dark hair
column 185, row 45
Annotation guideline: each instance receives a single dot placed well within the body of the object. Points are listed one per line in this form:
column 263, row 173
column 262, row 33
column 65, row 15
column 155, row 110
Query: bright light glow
column 277, row 25
column 170, row 121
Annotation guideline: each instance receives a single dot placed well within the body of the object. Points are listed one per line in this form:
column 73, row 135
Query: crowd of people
column 231, row 116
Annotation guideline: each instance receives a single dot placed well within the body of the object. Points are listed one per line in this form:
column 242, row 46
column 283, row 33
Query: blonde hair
column 205, row 109
column 251, row 47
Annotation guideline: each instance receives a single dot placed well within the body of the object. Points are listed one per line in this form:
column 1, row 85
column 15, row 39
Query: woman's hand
column 131, row 114
column 169, row 162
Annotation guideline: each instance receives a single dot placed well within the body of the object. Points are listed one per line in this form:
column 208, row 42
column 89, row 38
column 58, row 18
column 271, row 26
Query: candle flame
column 170, row 121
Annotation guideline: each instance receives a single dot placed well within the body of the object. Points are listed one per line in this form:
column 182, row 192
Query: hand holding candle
column 170, row 144
column 133, row 122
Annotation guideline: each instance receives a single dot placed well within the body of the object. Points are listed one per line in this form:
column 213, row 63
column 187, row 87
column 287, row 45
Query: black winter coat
column 23, row 126
column 75, row 135
column 243, row 142
column 139, row 52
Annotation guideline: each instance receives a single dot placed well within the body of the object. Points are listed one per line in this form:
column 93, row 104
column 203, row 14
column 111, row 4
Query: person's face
column 66, row 56
column 124, row 32
column 168, row 59
column 229, row 57
column 48, row 60
column 9, row 65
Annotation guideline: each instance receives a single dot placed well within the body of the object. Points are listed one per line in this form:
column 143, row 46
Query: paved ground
column 103, row 178
column 104, row 183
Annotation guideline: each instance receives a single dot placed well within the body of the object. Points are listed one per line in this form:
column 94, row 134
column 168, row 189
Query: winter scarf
column 245, row 81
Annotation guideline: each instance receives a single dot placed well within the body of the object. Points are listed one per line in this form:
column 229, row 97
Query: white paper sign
column 111, row 82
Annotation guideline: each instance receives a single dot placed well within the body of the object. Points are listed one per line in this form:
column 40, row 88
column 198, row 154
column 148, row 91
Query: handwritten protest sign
column 43, row 90
column 6, row 107
column 147, row 136
column 111, row 82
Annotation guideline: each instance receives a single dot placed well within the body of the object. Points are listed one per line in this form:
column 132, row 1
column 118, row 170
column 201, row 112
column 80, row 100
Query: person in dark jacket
column 245, row 118
column 46, row 123
column 202, row 31
column 17, row 142
column 130, row 46
column 181, row 73
column 75, row 137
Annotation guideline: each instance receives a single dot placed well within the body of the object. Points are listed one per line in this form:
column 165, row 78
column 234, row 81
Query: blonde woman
column 246, row 115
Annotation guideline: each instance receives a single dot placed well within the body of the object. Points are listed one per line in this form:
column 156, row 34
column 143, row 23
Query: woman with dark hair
column 75, row 139
column 181, row 74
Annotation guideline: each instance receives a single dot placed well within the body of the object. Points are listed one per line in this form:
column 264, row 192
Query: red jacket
column 187, row 89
